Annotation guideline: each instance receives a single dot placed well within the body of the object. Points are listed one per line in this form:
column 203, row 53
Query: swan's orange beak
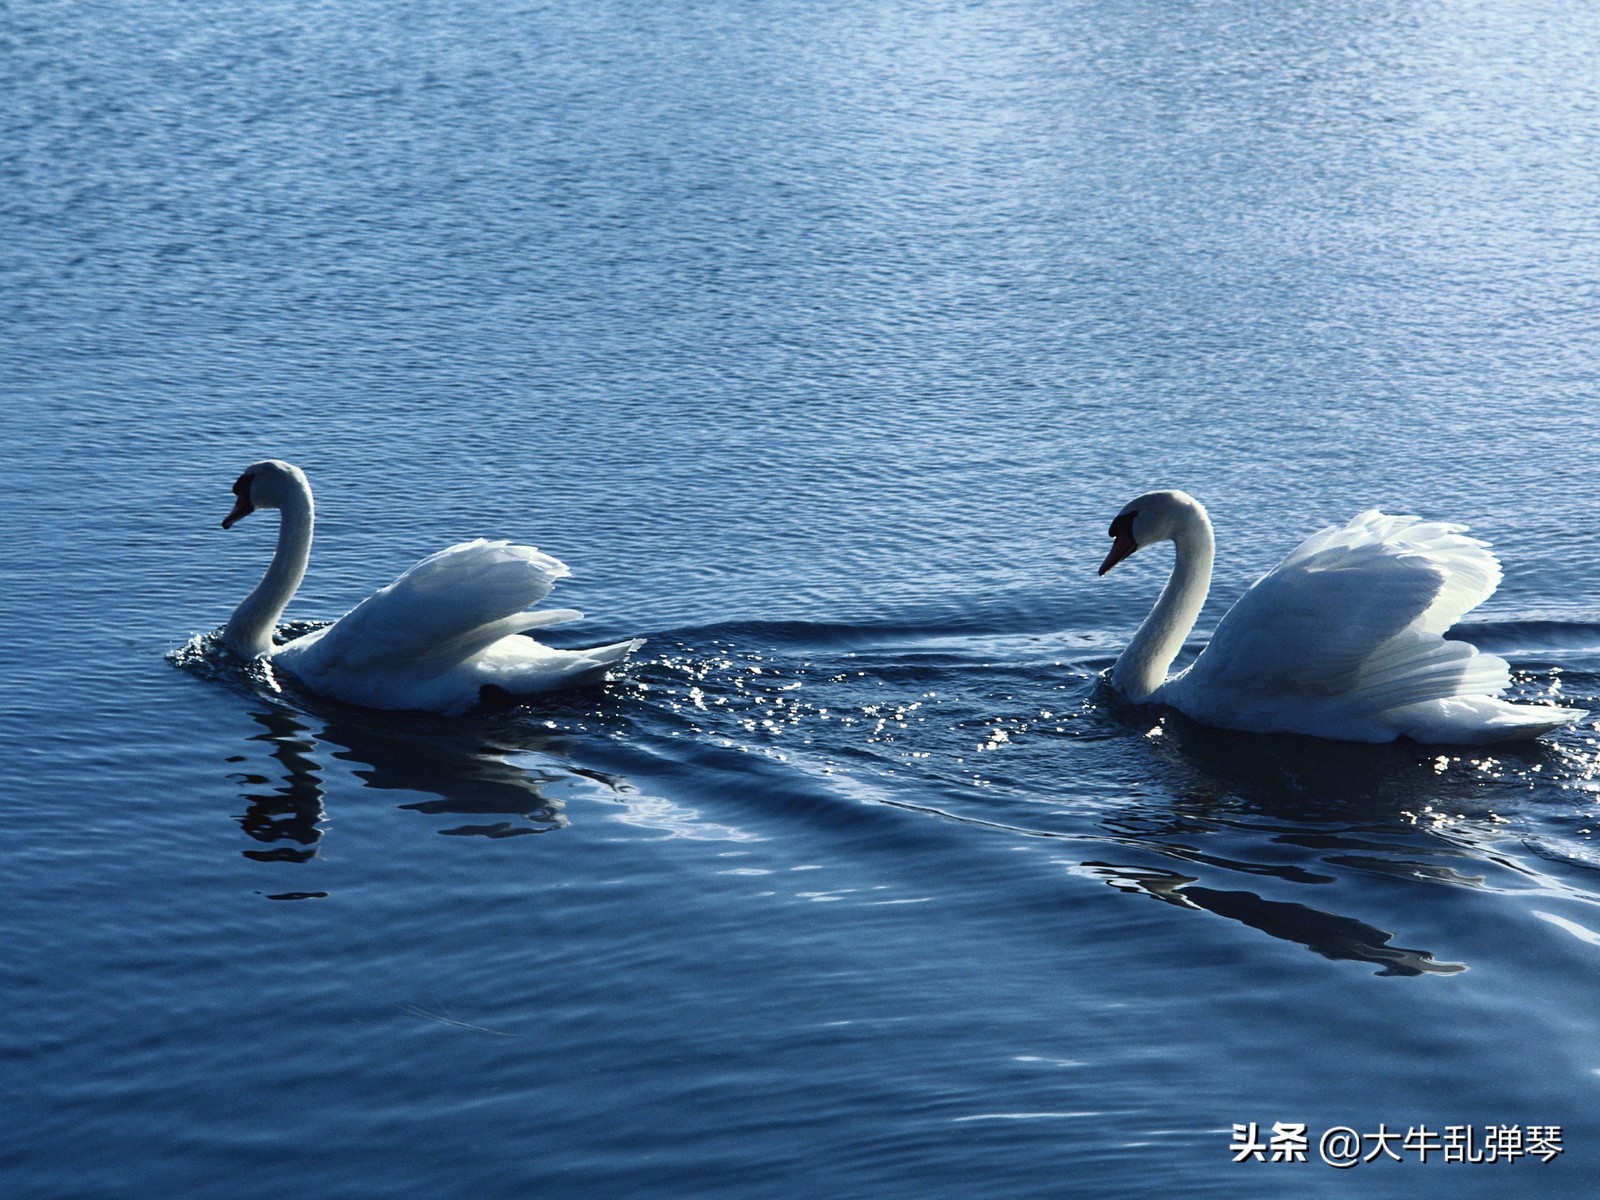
column 1123, row 543
column 1123, row 546
column 242, row 508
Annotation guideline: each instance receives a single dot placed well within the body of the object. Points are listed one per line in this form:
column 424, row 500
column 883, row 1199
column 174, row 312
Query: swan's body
column 441, row 638
column 1343, row 639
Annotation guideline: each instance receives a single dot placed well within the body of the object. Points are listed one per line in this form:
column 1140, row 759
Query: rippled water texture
column 823, row 341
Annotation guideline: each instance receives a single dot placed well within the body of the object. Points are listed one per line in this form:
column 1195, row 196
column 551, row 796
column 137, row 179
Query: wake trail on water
column 979, row 724
column 936, row 751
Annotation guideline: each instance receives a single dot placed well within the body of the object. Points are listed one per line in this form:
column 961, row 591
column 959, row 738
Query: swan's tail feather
column 1478, row 720
column 598, row 659
column 518, row 675
column 1434, row 690
column 611, row 655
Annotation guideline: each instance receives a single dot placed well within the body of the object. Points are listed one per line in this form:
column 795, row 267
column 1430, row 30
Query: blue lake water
column 823, row 341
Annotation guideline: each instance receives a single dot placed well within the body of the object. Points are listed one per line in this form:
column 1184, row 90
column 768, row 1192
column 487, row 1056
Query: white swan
column 1340, row 640
column 441, row 638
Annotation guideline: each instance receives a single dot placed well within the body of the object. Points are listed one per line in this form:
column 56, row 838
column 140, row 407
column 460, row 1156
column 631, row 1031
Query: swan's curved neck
column 1142, row 668
column 249, row 630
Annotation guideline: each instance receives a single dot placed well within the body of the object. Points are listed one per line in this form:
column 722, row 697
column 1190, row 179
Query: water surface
column 822, row 341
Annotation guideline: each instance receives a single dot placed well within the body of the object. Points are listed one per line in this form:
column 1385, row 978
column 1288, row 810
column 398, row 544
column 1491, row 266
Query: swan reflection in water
column 1309, row 812
column 1325, row 933
column 292, row 812
column 466, row 766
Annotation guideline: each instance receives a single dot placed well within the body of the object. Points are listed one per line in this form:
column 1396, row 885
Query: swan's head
column 267, row 484
column 1153, row 517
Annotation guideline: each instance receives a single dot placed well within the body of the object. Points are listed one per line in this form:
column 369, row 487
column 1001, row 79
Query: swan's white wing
column 448, row 607
column 1343, row 639
column 1326, row 621
column 1372, row 541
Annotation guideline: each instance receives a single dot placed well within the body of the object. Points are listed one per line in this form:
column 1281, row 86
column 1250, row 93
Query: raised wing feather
column 1326, row 620
column 446, row 608
column 1469, row 568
